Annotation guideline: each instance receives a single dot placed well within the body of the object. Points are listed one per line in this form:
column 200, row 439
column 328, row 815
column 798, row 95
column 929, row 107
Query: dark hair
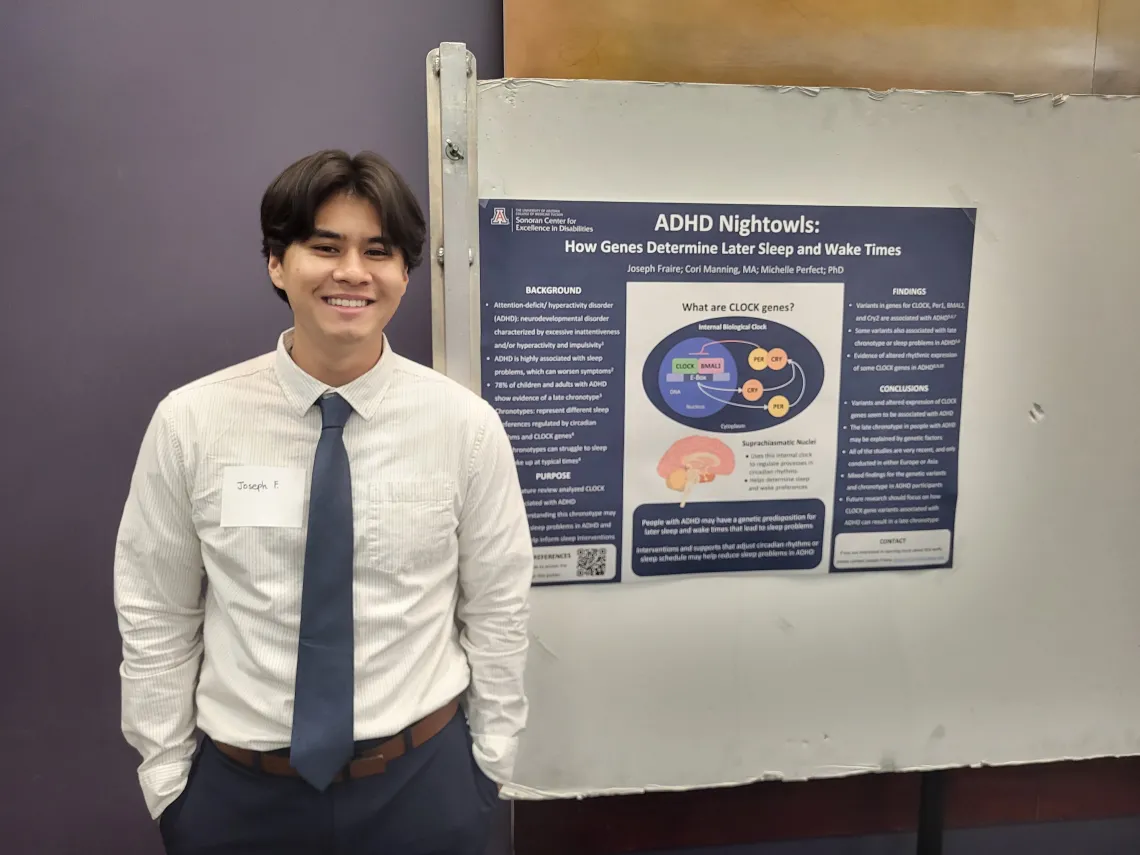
column 289, row 206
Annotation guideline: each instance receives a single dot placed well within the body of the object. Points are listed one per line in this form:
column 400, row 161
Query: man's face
column 344, row 283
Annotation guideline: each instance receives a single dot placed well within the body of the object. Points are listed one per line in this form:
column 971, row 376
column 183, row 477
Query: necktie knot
column 335, row 411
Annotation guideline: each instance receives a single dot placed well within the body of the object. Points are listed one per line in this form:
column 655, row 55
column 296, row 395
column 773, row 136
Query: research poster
column 696, row 389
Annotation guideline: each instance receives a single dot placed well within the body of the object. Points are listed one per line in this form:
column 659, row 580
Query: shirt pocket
column 411, row 524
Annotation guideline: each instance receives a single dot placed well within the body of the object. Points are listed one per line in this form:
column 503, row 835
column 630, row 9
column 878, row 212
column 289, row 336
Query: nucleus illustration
column 756, row 375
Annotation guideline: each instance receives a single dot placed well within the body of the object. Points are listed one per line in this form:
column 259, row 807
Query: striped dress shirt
column 210, row 555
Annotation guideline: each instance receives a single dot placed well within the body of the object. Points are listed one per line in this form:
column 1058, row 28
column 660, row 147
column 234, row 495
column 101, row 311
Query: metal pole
column 931, row 806
column 454, row 212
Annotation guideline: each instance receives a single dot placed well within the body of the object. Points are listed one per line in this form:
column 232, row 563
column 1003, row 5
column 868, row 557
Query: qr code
column 591, row 561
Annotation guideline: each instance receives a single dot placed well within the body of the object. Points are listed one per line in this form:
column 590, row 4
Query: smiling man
column 323, row 565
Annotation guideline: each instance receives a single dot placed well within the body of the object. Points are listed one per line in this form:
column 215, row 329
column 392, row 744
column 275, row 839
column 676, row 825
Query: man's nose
column 351, row 269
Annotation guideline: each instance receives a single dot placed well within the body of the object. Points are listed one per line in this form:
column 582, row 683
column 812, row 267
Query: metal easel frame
column 452, row 89
column 453, row 176
column 454, row 200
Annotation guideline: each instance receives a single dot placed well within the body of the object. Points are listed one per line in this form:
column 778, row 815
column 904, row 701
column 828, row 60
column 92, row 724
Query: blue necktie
column 322, row 741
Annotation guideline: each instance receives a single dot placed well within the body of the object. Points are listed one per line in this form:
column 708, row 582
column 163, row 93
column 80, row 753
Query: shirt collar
column 302, row 390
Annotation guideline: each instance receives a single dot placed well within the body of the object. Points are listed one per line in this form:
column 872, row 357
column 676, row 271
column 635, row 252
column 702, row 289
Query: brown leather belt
column 371, row 761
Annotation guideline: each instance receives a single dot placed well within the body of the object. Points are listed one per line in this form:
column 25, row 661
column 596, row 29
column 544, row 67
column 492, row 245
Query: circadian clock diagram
column 733, row 374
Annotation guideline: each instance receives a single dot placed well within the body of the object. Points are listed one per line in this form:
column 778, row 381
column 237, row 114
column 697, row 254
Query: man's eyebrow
column 328, row 235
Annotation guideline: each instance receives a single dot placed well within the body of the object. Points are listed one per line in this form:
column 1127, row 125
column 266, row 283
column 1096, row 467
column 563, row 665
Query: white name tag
column 271, row 496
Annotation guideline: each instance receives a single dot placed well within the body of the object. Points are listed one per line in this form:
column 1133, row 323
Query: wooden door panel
column 1015, row 45
column 1118, row 48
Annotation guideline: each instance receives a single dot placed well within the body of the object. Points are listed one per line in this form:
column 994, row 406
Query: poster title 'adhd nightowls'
column 736, row 224
column 740, row 226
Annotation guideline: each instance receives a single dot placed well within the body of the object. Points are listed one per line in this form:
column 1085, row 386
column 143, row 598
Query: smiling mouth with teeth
column 348, row 304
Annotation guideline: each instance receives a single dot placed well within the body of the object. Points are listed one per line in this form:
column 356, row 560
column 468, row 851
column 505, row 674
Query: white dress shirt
column 209, row 612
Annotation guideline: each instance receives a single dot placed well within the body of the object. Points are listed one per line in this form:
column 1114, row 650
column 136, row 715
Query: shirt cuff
column 162, row 785
column 495, row 755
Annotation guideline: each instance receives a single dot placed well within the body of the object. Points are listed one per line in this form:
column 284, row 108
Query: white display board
column 1027, row 648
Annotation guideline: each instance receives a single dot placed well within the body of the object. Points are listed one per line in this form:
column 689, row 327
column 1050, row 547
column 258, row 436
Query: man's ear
column 274, row 268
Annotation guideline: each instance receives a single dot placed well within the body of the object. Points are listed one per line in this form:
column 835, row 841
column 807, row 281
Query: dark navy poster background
column 553, row 280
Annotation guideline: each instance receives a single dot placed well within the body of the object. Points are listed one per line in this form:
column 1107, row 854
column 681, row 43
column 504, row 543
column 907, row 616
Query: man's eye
column 324, row 248
column 379, row 253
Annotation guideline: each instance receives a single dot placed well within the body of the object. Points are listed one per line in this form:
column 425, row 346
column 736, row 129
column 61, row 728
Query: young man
column 323, row 565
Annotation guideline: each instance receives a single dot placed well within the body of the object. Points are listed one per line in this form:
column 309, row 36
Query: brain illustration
column 694, row 460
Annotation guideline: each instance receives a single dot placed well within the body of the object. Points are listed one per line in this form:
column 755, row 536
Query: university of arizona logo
column 499, row 218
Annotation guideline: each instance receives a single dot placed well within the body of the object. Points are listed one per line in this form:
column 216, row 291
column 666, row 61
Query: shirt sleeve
column 495, row 569
column 158, row 585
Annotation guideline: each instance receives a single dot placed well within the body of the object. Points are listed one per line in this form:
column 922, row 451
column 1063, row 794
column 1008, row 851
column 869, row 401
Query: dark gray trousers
column 434, row 800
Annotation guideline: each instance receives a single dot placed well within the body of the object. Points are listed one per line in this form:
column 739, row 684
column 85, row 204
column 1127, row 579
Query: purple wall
column 137, row 138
